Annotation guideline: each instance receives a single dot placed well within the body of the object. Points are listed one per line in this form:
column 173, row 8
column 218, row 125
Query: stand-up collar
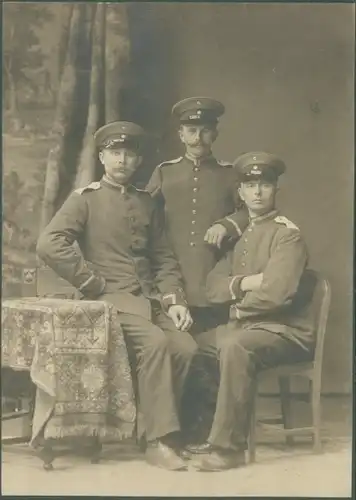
column 120, row 187
column 198, row 161
column 265, row 217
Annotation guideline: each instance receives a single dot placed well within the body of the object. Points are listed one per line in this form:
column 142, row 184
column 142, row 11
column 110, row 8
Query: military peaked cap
column 198, row 110
column 259, row 165
column 119, row 134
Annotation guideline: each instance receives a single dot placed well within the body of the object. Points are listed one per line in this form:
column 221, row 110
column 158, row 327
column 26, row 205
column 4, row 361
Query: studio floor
column 278, row 471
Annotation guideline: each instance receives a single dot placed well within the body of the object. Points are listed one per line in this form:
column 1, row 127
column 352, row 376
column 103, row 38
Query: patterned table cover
column 76, row 355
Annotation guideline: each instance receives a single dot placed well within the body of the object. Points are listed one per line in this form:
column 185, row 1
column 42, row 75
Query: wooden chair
column 49, row 284
column 41, row 282
column 17, row 390
column 310, row 370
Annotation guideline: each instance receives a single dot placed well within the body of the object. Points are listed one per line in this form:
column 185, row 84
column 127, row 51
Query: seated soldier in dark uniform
column 260, row 279
column 124, row 259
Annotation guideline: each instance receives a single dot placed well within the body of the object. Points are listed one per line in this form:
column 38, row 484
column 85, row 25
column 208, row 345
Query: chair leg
column 316, row 416
column 96, row 448
column 284, row 388
column 251, row 441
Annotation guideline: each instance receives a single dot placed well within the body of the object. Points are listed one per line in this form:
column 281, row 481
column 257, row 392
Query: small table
column 77, row 358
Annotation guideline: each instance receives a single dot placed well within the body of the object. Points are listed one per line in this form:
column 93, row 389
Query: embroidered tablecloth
column 76, row 355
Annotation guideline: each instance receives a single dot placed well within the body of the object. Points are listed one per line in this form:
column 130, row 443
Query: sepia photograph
column 177, row 249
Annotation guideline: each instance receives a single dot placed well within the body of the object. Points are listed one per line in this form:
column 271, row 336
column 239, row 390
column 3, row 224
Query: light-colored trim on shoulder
column 223, row 163
column 170, row 162
column 239, row 232
column 280, row 219
column 93, row 186
column 141, row 190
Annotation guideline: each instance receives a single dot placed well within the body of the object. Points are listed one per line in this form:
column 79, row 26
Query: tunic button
column 192, row 244
column 195, row 179
column 249, row 229
column 244, row 252
column 245, row 240
column 196, row 169
column 192, row 233
column 195, row 190
column 193, row 221
column 194, row 212
column 194, row 200
column 243, row 264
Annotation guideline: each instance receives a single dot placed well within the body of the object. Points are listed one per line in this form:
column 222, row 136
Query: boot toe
column 161, row 455
column 216, row 462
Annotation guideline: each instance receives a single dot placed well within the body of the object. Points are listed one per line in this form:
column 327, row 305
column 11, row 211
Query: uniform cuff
column 172, row 299
column 235, row 287
column 93, row 286
column 236, row 313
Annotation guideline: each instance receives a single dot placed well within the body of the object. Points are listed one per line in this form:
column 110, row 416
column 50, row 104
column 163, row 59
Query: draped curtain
column 95, row 48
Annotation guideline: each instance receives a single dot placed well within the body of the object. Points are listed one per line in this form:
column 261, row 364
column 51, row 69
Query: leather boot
column 161, row 455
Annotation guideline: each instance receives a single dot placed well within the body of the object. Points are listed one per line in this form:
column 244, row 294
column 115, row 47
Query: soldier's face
column 198, row 139
column 120, row 164
column 259, row 196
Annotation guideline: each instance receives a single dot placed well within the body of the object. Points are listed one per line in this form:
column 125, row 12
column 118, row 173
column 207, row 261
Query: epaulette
column 170, row 162
column 280, row 219
column 223, row 163
column 93, row 186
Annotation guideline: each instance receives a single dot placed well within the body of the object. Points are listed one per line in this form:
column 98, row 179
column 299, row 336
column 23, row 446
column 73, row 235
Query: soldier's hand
column 215, row 234
column 180, row 316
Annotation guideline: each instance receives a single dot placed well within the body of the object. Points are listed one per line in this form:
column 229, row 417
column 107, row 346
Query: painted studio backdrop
column 284, row 73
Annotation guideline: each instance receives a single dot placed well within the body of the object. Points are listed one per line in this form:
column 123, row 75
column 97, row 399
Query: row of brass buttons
column 243, row 264
column 194, row 200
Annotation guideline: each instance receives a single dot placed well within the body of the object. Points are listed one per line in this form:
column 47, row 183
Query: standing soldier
column 124, row 259
column 197, row 191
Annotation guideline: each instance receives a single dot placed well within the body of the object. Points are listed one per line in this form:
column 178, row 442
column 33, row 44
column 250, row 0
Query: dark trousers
column 235, row 355
column 200, row 393
column 162, row 357
column 208, row 318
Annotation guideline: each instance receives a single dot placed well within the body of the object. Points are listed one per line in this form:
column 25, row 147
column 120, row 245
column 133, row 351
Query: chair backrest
column 18, row 281
column 36, row 281
column 320, row 305
column 49, row 284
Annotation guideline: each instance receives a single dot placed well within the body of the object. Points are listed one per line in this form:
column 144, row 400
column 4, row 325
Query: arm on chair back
column 49, row 284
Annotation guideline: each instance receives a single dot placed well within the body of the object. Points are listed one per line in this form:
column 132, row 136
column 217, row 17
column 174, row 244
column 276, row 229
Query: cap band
column 266, row 173
column 198, row 116
column 120, row 142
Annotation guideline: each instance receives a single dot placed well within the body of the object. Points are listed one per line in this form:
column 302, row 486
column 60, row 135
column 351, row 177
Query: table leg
column 47, row 456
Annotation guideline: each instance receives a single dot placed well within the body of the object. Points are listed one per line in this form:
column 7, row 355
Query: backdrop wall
column 285, row 75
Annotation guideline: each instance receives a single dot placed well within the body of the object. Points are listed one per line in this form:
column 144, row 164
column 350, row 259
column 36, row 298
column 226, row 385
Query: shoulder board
column 91, row 187
column 224, row 163
column 170, row 162
column 280, row 219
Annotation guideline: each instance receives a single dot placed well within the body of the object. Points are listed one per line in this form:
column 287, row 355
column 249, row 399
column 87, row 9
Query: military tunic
column 196, row 194
column 124, row 252
column 271, row 245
